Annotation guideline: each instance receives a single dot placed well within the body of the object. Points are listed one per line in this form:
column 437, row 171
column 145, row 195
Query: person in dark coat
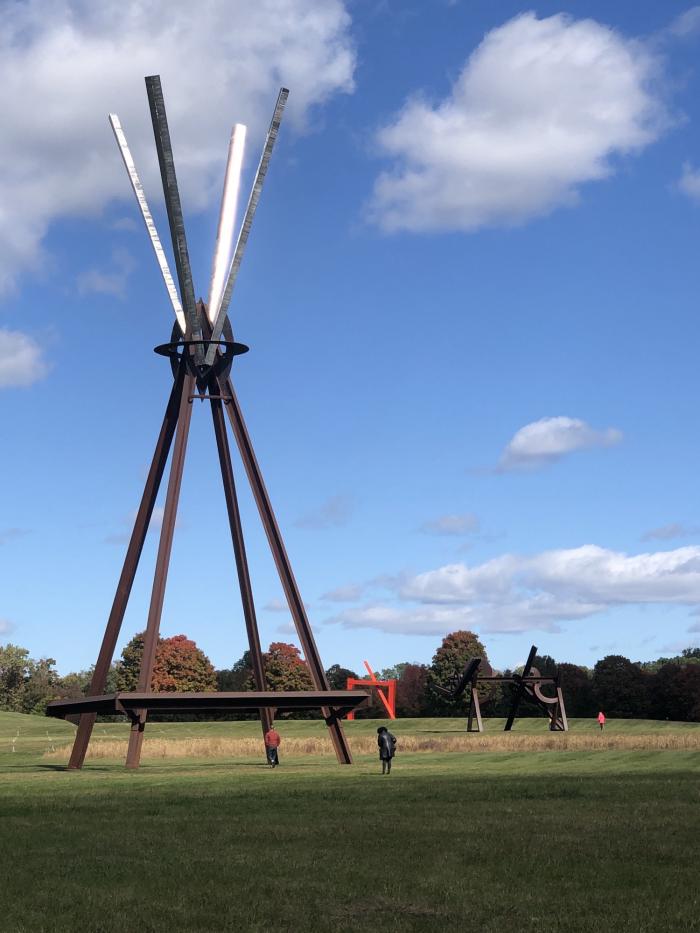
column 387, row 748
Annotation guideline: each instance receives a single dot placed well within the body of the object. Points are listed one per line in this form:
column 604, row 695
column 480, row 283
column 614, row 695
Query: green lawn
column 604, row 841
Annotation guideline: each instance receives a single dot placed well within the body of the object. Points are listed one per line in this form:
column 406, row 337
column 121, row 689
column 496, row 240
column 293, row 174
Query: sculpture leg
column 160, row 577
column 284, row 569
column 126, row 579
column 234, row 518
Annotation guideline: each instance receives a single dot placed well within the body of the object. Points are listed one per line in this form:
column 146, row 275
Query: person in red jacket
column 272, row 743
column 601, row 720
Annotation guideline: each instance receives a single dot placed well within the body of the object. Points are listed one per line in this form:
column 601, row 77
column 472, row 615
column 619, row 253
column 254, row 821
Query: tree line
column 667, row 688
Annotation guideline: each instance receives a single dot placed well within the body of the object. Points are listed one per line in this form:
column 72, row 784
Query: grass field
column 507, row 839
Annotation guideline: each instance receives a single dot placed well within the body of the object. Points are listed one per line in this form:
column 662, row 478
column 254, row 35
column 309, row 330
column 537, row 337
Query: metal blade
column 247, row 223
column 174, row 208
column 227, row 220
column 147, row 218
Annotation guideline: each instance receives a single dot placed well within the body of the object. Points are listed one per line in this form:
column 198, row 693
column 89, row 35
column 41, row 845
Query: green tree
column 14, row 671
column 448, row 666
column 179, row 665
column 621, row 688
column 236, row 678
column 577, row 688
column 676, row 692
column 26, row 685
column 338, row 676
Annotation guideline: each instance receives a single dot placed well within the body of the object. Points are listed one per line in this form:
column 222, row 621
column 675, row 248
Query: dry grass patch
column 156, row 748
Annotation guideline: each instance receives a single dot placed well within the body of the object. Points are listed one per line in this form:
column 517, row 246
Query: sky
column 470, row 294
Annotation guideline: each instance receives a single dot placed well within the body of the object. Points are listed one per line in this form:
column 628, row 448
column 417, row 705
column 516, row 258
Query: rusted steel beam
column 337, row 701
column 160, row 577
column 133, row 554
column 284, row 567
column 234, row 518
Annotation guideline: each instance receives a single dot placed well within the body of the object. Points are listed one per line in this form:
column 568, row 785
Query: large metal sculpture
column 201, row 352
column 526, row 686
column 386, row 690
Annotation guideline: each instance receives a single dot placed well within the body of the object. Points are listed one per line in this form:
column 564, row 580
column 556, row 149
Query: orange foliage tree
column 179, row 665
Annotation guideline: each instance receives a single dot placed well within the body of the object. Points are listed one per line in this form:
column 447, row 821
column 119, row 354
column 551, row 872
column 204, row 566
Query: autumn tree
column 411, row 690
column 179, row 665
column 285, row 669
column 448, row 666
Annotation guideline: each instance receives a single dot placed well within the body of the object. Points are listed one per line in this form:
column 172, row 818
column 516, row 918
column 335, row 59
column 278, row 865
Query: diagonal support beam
column 160, row 577
column 239, row 550
column 284, row 569
column 131, row 561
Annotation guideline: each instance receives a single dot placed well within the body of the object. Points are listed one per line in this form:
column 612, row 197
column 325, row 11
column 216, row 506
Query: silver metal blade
column 147, row 218
column 227, row 220
column 247, row 223
column 174, row 209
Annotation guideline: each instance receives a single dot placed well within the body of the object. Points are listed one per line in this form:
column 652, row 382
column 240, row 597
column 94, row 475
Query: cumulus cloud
column 112, row 281
column 22, row 360
column 333, row 513
column 541, row 107
column 689, row 182
column 670, row 531
column 65, row 63
column 549, row 439
column 452, row 525
column 5, row 626
column 517, row 593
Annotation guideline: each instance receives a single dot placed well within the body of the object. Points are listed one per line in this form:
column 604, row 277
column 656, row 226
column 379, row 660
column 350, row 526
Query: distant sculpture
column 528, row 686
column 388, row 698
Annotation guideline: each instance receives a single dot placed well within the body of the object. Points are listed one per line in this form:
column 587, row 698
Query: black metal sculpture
column 527, row 686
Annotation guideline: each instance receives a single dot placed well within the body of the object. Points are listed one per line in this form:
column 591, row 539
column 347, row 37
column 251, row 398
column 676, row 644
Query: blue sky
column 470, row 295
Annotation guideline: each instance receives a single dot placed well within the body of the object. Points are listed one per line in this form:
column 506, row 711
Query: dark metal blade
column 174, row 209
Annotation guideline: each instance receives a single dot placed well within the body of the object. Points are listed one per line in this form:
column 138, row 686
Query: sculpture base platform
column 339, row 702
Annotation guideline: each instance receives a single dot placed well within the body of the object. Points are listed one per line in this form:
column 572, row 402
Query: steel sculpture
column 527, row 686
column 386, row 690
column 201, row 352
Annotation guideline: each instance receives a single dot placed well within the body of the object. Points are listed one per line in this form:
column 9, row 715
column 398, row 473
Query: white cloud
column 670, row 531
column 549, row 439
column 344, row 594
column 689, row 182
column 515, row 593
column 5, row 626
column 685, row 25
column 276, row 605
column 22, row 360
column 333, row 513
column 110, row 282
column 541, row 107
column 64, row 64
column 452, row 525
